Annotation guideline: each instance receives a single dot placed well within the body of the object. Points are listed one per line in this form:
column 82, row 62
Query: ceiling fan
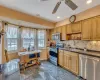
column 69, row 3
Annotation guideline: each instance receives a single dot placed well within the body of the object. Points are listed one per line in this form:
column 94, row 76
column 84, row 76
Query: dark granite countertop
column 81, row 51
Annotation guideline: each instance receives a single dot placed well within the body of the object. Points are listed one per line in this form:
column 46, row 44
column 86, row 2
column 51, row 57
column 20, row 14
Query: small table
column 29, row 52
column 24, row 57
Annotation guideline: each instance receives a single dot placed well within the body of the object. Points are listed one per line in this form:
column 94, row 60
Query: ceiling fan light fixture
column 69, row 3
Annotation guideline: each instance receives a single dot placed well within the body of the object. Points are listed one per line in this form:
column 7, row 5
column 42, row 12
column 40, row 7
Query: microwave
column 56, row 36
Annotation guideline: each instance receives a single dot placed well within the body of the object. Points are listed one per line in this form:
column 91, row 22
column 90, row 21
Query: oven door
column 53, row 54
column 53, row 57
column 53, row 60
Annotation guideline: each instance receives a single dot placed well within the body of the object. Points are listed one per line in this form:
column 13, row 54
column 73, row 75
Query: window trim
column 10, row 44
column 45, row 36
column 5, row 38
column 20, row 39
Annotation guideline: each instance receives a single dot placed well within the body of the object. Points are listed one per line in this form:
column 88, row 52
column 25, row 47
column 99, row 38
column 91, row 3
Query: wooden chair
column 11, row 56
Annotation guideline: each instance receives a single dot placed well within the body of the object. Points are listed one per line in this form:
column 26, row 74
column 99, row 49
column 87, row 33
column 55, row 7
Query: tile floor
column 46, row 71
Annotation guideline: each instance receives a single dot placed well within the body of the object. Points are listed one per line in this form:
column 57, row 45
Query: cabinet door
column 86, row 29
column 66, row 61
column 55, row 30
column 60, row 58
column 43, row 55
column 58, row 29
column 69, row 30
column 96, row 28
column 51, row 32
column 63, row 33
column 75, row 63
column 76, row 27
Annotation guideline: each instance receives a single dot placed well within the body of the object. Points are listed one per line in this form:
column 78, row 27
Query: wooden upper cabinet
column 58, row 29
column 86, row 29
column 69, row 30
column 63, row 32
column 76, row 27
column 51, row 32
column 55, row 30
column 96, row 28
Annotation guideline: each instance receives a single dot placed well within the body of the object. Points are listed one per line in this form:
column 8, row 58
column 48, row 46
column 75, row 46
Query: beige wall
column 9, row 13
column 95, row 11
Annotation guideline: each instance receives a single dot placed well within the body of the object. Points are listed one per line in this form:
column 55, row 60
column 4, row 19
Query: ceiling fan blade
column 56, row 7
column 71, row 4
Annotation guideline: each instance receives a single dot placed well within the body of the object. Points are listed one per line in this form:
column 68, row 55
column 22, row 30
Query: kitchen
column 63, row 48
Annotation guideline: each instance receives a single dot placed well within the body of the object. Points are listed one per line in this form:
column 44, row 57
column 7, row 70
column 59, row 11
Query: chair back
column 11, row 56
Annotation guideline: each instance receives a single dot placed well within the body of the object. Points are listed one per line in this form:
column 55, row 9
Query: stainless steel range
column 53, row 52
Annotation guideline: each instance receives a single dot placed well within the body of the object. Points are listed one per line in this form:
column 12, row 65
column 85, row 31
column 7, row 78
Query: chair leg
column 22, row 68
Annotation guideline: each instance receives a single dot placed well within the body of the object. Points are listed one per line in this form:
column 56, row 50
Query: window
column 28, row 37
column 41, row 38
column 17, row 38
column 11, row 37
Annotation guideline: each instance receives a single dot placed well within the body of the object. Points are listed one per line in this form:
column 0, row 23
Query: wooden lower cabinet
column 67, row 61
column 74, row 63
column 71, row 62
column 61, row 58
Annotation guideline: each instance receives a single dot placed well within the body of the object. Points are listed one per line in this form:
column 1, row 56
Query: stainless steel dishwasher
column 89, row 67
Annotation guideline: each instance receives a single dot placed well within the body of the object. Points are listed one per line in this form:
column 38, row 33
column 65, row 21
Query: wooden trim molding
column 95, row 11
column 9, row 13
column 2, row 42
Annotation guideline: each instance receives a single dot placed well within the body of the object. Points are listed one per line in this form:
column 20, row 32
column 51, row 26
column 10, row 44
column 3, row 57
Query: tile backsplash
column 91, row 45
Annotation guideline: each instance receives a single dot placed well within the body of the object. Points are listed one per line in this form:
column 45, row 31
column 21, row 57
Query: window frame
column 30, row 29
column 19, row 39
column 41, row 39
column 6, row 39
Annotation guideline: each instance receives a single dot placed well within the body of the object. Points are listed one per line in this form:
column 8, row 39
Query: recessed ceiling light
column 89, row 1
column 58, row 17
column 38, row 15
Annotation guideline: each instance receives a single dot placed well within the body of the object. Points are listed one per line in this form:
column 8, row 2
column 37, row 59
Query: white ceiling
column 34, row 7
